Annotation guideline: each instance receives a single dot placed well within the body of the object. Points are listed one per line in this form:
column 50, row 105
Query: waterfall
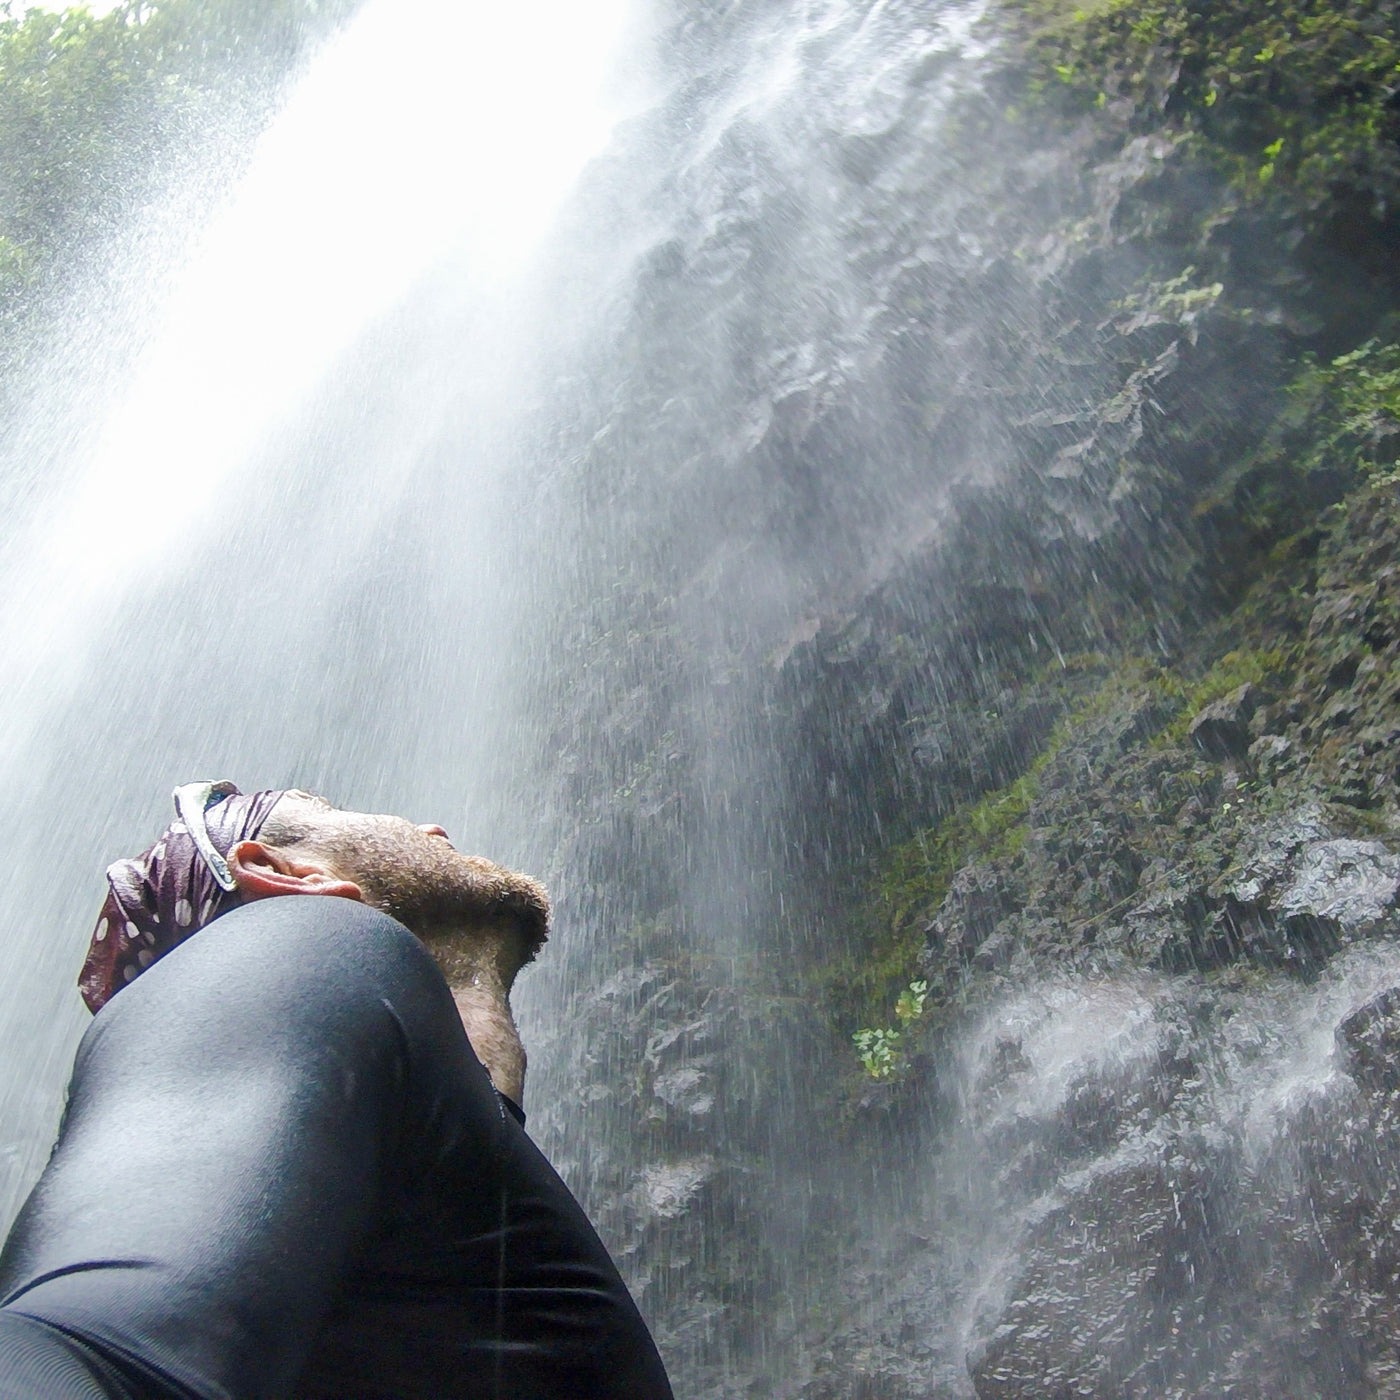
column 702, row 455
column 263, row 528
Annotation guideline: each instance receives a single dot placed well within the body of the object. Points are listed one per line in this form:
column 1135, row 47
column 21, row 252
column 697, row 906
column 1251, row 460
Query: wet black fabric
column 321, row 1195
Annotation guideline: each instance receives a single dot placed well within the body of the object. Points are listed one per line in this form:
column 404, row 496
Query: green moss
column 914, row 876
column 1131, row 675
column 911, row 882
column 917, row 874
column 1234, row 669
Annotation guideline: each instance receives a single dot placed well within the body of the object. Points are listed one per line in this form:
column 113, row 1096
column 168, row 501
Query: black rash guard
column 282, row 1172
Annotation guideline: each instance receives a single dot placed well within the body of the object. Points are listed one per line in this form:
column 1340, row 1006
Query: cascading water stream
column 519, row 442
column 250, row 561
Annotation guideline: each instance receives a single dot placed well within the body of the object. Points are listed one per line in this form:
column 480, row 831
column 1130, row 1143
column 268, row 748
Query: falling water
column 279, row 547
column 548, row 379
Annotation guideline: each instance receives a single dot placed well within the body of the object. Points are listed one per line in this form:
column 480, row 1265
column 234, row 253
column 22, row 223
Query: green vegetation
column 1148, row 709
column 1356, row 401
column 1236, row 668
column 90, row 104
column 913, row 879
column 1280, row 92
column 1339, row 423
column 881, row 1051
column 910, row 885
column 918, row 872
column 1178, row 301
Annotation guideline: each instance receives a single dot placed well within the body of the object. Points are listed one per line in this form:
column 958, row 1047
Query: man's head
column 411, row 872
column 226, row 849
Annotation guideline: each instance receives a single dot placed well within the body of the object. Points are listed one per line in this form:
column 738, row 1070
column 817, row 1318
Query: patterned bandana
column 182, row 883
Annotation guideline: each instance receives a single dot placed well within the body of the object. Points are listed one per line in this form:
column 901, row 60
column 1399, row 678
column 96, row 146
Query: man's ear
column 263, row 871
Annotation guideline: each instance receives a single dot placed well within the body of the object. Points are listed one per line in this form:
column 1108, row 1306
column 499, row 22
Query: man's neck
column 480, row 968
column 486, row 1016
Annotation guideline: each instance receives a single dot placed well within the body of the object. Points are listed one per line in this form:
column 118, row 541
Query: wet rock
column 1239, row 1246
column 978, row 899
column 1093, row 1265
column 1221, row 729
column 995, row 952
column 690, row 1091
column 968, row 744
column 1339, row 712
column 1266, row 858
column 1338, row 611
column 683, row 1041
column 1278, row 717
column 895, row 717
column 1271, row 754
column 1380, row 738
column 1370, row 1040
column 668, row 1190
column 1184, row 928
column 1296, row 891
column 1350, row 883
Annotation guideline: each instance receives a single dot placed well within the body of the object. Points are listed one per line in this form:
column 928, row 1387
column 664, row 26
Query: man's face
column 413, row 873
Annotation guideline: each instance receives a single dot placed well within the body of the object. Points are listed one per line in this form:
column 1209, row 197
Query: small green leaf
column 878, row 1051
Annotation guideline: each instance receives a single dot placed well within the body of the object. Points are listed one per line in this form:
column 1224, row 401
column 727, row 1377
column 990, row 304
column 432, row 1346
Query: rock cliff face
column 995, row 651
column 963, row 611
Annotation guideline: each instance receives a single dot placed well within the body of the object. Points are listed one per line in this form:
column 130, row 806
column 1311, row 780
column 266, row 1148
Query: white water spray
column 259, row 435
column 428, row 129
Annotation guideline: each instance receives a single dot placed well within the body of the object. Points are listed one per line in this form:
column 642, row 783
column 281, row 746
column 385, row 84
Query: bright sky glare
column 98, row 7
column 391, row 153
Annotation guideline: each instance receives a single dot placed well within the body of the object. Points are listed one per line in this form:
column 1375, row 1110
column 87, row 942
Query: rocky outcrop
column 1222, row 728
column 1158, row 1187
column 1184, row 1143
column 1013, row 618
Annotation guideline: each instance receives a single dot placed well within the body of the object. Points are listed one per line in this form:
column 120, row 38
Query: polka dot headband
column 159, row 898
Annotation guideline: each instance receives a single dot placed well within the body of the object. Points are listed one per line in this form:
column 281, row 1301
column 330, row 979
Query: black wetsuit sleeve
column 284, row 1172
column 229, row 1118
column 37, row 1360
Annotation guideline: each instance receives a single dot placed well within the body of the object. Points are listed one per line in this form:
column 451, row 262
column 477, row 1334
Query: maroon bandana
column 174, row 889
